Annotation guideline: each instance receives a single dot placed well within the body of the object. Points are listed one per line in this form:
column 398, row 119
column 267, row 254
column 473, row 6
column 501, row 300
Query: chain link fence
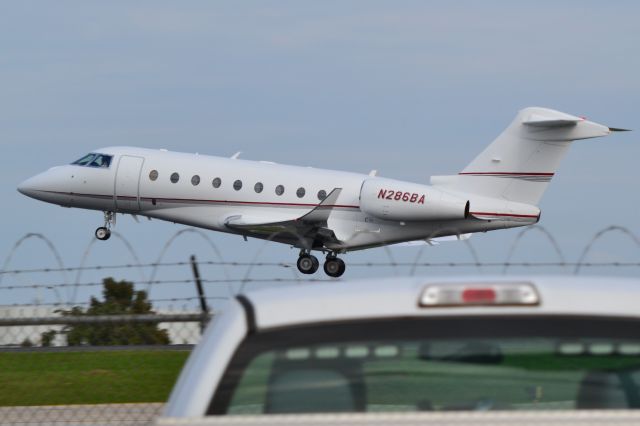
column 91, row 369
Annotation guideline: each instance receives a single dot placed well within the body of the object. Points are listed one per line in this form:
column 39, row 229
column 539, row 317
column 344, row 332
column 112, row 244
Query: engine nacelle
column 403, row 201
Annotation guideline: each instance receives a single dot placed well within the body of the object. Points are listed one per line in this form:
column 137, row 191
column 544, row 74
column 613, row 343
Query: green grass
column 51, row 378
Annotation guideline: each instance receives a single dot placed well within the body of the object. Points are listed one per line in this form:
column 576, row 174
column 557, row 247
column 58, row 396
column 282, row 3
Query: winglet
column 321, row 213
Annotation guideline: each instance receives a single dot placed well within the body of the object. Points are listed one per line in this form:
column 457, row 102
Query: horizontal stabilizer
column 557, row 119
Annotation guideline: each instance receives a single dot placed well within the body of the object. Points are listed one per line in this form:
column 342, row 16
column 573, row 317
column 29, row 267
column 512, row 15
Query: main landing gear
column 104, row 232
column 308, row 264
column 334, row 266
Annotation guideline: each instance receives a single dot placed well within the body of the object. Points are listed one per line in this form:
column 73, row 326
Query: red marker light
column 478, row 295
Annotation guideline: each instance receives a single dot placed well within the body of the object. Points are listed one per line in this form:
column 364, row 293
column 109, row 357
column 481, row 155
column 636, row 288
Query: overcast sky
column 411, row 88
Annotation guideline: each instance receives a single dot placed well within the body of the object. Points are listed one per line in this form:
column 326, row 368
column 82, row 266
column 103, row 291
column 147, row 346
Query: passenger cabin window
column 175, row 177
column 300, row 192
column 322, row 194
column 153, row 175
column 279, row 190
column 216, row 182
column 195, row 180
column 258, row 187
column 94, row 160
column 237, row 185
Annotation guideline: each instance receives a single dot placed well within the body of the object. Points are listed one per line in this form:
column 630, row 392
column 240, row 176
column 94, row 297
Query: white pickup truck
column 406, row 350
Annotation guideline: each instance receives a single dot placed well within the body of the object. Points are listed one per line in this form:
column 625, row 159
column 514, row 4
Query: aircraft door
column 128, row 183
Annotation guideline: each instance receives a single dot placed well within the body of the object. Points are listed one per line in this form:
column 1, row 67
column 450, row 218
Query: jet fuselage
column 205, row 191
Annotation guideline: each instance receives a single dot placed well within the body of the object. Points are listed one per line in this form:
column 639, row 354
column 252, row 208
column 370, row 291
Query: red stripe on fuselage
column 193, row 200
column 503, row 214
column 507, row 173
column 265, row 203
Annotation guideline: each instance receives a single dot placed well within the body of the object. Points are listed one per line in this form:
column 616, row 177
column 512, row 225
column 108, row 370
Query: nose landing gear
column 308, row 264
column 104, row 232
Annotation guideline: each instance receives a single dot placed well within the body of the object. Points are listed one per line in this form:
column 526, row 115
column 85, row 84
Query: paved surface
column 128, row 414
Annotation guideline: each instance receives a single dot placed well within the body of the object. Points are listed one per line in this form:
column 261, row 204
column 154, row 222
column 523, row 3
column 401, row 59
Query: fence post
column 203, row 301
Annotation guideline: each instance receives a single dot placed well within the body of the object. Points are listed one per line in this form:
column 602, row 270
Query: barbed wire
column 82, row 304
column 221, row 262
column 142, row 265
column 292, row 265
column 313, row 280
column 24, row 279
column 182, row 281
column 498, row 264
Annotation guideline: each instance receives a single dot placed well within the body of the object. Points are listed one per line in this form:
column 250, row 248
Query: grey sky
column 412, row 89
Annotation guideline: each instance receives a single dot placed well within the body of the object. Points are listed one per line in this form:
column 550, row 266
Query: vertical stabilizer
column 521, row 162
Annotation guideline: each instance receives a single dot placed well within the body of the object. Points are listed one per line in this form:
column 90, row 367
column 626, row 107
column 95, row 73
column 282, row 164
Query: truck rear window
column 482, row 363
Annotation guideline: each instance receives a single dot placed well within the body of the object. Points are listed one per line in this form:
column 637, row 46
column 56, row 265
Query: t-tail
column 516, row 168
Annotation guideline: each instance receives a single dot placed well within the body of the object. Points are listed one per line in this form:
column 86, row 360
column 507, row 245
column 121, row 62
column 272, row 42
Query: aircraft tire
column 307, row 264
column 334, row 267
column 103, row 233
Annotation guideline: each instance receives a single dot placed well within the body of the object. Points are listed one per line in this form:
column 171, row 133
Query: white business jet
column 325, row 210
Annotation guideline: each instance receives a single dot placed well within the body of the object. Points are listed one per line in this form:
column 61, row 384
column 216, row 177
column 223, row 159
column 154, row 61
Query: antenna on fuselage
column 236, row 155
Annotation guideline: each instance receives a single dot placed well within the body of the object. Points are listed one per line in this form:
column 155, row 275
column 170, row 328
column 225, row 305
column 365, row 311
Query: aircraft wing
column 434, row 241
column 309, row 230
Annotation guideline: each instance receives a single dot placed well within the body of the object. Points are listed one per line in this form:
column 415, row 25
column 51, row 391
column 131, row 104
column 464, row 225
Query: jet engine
column 390, row 199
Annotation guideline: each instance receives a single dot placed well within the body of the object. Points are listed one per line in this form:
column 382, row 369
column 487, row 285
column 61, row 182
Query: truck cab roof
column 353, row 329
column 393, row 297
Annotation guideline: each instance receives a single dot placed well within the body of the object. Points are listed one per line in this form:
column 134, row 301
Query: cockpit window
column 94, row 160
column 84, row 160
column 101, row 160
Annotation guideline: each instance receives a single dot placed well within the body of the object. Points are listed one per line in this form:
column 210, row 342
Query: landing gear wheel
column 103, row 233
column 308, row 264
column 334, row 267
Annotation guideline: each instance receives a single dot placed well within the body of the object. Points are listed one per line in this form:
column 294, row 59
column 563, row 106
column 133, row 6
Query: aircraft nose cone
column 27, row 187
column 35, row 185
column 51, row 186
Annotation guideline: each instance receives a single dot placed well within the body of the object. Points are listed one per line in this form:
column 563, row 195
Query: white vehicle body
column 370, row 302
column 315, row 209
